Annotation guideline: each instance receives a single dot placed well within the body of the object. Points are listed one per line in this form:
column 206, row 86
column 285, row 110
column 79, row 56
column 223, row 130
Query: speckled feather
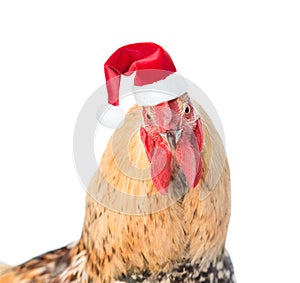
column 181, row 243
column 217, row 271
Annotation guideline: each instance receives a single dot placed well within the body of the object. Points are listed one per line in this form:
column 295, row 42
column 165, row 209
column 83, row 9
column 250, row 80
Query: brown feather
column 129, row 227
column 153, row 240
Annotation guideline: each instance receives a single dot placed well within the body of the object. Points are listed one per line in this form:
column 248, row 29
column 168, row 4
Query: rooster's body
column 178, row 236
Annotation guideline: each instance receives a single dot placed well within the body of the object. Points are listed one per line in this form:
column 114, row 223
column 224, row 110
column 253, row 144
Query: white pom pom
column 110, row 116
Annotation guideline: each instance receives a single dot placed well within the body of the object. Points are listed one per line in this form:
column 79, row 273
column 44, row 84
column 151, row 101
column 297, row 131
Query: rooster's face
column 173, row 138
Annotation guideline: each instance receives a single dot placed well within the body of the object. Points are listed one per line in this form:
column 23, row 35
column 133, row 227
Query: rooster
column 166, row 224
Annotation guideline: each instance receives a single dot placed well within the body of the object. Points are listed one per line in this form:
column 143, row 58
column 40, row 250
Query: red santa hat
column 155, row 81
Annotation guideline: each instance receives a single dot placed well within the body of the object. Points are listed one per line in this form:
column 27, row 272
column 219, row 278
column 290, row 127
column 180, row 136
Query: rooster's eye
column 148, row 116
column 187, row 109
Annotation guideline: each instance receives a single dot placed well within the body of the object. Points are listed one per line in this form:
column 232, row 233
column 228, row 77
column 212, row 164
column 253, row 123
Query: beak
column 171, row 137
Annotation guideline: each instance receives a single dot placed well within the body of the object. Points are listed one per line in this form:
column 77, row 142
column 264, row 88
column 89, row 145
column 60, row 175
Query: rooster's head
column 172, row 137
column 171, row 131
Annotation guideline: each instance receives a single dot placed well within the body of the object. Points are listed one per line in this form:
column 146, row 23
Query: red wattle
column 160, row 159
column 161, row 168
column 188, row 156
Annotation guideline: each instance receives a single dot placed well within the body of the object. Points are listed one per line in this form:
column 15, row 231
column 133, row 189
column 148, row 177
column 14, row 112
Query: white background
column 243, row 54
